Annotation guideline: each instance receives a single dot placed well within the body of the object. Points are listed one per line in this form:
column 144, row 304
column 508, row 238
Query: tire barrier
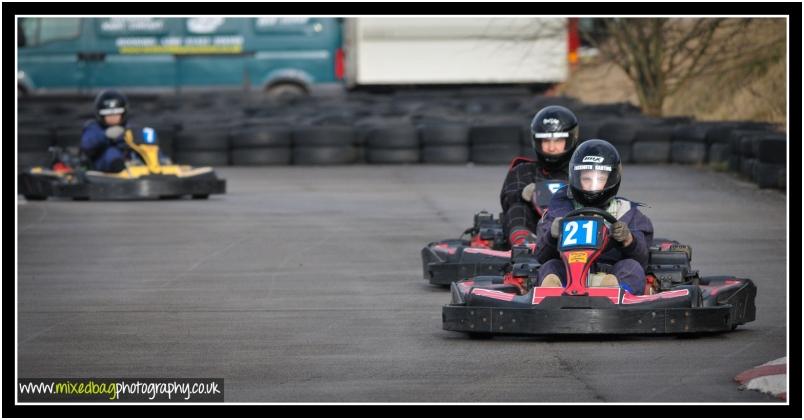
column 456, row 126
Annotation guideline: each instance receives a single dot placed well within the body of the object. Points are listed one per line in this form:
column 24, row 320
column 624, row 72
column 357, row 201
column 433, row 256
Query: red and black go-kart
column 146, row 176
column 676, row 299
column 483, row 249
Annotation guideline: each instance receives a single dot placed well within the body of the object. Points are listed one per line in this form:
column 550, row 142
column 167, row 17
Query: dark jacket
column 94, row 141
column 517, row 212
column 639, row 224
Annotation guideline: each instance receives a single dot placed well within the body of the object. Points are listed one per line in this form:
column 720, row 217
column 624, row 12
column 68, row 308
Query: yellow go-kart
column 145, row 176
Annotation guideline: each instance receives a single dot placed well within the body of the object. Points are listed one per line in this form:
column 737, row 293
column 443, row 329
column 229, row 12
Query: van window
column 286, row 25
column 38, row 31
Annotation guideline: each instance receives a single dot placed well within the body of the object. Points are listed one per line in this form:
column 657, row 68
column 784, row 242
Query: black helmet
column 596, row 165
column 554, row 122
column 110, row 102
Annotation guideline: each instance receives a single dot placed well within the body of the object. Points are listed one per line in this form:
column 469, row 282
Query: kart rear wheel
column 200, row 196
column 480, row 336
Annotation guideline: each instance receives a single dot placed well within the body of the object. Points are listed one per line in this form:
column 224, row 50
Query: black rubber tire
column 485, row 135
column 202, row 157
column 766, row 175
column 392, row 156
column 719, row 153
column 433, row 134
column 286, row 92
column 688, row 152
column 493, row 154
column 655, row 135
column 747, row 167
column 621, row 132
column 782, row 181
column 771, row 149
column 393, row 137
column 747, row 146
column 588, row 128
column 200, row 196
column 35, row 139
column 260, row 137
column 626, row 151
column 651, row 152
column 445, row 154
column 689, row 133
column 66, row 136
column 208, row 140
column 261, row 156
column 328, row 136
column 324, row 155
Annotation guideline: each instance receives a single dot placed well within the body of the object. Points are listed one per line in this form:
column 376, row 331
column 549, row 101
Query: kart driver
column 594, row 177
column 102, row 139
column 554, row 135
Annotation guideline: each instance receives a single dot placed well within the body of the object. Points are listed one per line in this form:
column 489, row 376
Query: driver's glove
column 621, row 233
column 555, row 227
column 527, row 192
column 114, row 132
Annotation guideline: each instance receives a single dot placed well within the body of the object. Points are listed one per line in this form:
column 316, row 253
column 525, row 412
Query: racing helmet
column 110, row 102
column 595, row 172
column 554, row 122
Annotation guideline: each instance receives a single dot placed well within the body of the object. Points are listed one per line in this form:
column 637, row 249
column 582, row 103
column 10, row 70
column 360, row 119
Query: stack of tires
column 495, row 143
column 324, row 145
column 444, row 142
column 653, row 144
column 261, row 145
column 689, row 144
column 621, row 133
column 770, row 152
column 393, row 144
column 202, row 146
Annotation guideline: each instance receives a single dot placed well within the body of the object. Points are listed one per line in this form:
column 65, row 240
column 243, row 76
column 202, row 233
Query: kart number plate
column 578, row 233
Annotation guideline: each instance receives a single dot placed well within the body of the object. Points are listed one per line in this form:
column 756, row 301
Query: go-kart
column 483, row 248
column 147, row 175
column 676, row 299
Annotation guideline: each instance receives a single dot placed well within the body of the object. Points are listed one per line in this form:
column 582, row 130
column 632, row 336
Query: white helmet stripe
column 550, row 135
column 112, row 111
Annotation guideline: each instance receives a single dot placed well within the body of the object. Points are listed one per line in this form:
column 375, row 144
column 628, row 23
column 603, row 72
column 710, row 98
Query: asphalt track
column 305, row 285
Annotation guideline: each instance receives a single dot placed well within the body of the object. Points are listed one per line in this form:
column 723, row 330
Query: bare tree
column 662, row 55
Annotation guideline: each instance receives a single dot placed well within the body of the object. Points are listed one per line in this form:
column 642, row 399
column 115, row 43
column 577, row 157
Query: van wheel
column 285, row 91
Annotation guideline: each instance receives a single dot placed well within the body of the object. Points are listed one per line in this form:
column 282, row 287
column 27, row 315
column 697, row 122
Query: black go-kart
column 483, row 249
column 676, row 299
column 146, row 176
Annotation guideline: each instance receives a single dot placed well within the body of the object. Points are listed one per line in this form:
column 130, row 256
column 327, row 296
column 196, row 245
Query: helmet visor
column 593, row 180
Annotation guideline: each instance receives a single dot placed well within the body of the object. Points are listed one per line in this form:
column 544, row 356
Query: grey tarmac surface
column 305, row 285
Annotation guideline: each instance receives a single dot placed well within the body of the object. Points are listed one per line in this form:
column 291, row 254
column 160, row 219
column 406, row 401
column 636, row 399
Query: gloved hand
column 114, row 132
column 621, row 233
column 527, row 192
column 555, row 227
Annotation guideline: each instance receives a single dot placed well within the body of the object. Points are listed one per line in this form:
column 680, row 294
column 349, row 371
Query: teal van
column 279, row 55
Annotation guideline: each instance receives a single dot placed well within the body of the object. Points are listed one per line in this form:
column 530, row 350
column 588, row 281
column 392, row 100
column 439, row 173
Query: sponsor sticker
column 592, row 159
column 577, row 257
column 582, row 167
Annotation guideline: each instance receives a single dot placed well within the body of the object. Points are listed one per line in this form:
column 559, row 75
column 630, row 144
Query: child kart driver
column 594, row 177
column 554, row 135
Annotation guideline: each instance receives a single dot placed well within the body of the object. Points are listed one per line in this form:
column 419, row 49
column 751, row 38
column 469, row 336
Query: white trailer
column 456, row 50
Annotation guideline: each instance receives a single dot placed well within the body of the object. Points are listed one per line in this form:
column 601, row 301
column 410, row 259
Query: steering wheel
column 593, row 211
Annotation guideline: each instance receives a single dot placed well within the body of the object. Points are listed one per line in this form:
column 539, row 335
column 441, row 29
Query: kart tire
column 261, row 156
column 771, row 149
column 260, row 137
column 766, row 175
column 324, row 155
column 35, row 139
column 492, row 135
column 202, row 157
column 327, row 136
column 394, row 137
column 445, row 154
column 651, row 152
column 214, row 140
column 782, row 180
column 588, row 129
column 434, row 134
column 200, row 196
column 66, row 136
column 393, row 156
column 622, row 132
column 747, row 146
column 688, row 152
column 689, row 133
column 494, row 154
